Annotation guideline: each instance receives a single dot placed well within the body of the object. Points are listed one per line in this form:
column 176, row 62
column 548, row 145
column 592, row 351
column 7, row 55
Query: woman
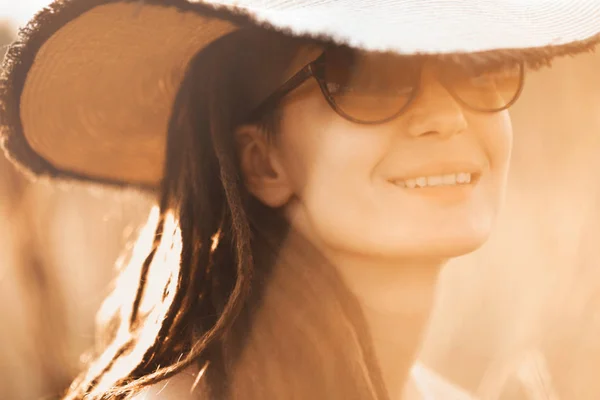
column 310, row 189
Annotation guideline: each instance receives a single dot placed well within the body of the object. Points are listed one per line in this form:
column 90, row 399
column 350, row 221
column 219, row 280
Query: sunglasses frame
column 316, row 69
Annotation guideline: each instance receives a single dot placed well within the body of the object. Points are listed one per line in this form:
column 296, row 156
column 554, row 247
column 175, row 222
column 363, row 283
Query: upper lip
column 440, row 168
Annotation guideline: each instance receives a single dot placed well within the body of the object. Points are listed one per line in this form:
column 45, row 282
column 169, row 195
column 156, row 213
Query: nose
column 435, row 111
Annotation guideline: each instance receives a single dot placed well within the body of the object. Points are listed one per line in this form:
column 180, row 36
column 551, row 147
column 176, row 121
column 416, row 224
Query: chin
column 442, row 248
column 453, row 250
column 458, row 239
column 455, row 246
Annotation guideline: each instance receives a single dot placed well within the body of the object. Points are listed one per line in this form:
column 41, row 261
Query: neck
column 397, row 299
column 389, row 305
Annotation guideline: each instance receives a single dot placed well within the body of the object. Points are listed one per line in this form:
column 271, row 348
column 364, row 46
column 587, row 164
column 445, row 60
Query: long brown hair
column 202, row 273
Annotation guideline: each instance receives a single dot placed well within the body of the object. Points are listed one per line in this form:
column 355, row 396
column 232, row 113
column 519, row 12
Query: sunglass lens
column 369, row 87
column 487, row 91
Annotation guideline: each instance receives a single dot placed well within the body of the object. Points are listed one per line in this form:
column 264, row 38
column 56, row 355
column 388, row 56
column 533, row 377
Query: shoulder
column 178, row 387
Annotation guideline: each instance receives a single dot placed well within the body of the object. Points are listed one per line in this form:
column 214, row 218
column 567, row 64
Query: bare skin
column 336, row 181
column 333, row 178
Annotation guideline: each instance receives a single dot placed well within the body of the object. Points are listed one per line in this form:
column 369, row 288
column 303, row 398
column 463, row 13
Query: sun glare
column 162, row 279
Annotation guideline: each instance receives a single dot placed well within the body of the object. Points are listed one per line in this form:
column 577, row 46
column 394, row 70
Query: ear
column 264, row 175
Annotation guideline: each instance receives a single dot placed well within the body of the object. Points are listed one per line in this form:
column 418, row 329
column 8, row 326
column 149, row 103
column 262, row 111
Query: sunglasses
column 368, row 88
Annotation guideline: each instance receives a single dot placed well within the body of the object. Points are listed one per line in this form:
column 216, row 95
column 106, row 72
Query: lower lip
column 443, row 193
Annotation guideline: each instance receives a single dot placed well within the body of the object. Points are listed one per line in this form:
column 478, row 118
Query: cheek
column 496, row 136
column 330, row 164
column 322, row 151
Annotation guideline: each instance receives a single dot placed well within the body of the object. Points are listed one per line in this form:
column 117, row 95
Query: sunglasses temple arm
column 298, row 79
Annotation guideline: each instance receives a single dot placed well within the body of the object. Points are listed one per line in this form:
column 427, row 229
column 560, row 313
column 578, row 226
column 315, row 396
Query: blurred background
column 58, row 248
column 526, row 307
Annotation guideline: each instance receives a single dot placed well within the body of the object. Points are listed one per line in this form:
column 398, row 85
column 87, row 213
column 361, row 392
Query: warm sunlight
column 21, row 11
column 162, row 278
column 299, row 199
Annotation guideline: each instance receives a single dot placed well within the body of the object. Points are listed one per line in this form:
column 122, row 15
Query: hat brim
column 88, row 89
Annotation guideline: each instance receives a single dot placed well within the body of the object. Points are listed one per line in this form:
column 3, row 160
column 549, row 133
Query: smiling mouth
column 446, row 180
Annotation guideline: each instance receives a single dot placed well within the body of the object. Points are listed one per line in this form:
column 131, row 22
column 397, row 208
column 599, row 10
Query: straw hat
column 88, row 88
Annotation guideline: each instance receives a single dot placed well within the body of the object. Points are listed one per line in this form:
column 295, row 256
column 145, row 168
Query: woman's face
column 356, row 188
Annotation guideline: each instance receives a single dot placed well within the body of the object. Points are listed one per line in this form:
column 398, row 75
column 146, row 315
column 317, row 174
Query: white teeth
column 436, row 180
column 463, row 177
column 450, row 179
